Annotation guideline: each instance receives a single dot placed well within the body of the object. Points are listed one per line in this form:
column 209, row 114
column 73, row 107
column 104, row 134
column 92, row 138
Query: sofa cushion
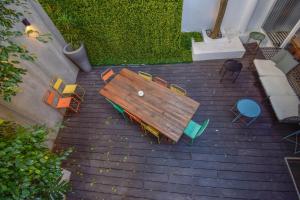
column 276, row 85
column 287, row 63
column 285, row 106
column 279, row 55
column 267, row 68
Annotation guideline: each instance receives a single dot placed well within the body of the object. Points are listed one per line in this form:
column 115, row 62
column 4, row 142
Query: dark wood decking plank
column 114, row 160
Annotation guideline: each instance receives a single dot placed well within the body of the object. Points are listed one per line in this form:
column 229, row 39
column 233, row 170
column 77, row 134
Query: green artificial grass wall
column 123, row 31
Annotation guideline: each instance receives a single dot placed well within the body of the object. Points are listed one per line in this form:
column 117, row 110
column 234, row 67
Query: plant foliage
column 10, row 52
column 123, row 31
column 28, row 170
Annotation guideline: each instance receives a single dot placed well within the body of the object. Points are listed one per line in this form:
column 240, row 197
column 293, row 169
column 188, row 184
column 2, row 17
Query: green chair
column 295, row 134
column 117, row 107
column 194, row 130
column 257, row 36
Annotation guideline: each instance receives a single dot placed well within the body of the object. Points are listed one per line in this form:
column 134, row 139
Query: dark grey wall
column 28, row 106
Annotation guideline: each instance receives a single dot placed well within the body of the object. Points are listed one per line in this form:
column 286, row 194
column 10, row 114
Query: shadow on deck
column 114, row 160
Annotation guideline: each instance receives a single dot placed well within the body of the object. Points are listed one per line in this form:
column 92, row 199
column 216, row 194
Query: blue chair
column 194, row 130
column 294, row 134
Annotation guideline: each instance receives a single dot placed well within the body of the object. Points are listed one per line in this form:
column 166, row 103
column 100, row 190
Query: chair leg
column 236, row 76
column 264, row 100
column 125, row 118
column 192, row 141
column 223, row 75
column 221, row 70
column 79, row 97
column 296, row 134
column 251, row 121
column 292, row 134
column 296, row 145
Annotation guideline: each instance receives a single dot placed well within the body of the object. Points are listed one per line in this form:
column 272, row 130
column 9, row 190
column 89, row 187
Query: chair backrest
column 107, row 74
column 203, row 127
column 57, row 84
column 177, row 89
column 145, row 75
column 51, row 98
column 160, row 81
column 116, row 106
column 133, row 117
column 150, row 129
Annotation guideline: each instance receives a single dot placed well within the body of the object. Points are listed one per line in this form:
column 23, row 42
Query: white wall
column 260, row 13
column 200, row 14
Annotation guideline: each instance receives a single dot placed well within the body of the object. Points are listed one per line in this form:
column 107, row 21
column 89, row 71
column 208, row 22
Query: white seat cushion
column 267, row 68
column 285, row 106
column 276, row 85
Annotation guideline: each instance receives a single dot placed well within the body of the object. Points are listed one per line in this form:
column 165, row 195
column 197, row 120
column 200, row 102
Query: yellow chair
column 151, row 130
column 145, row 75
column 177, row 89
column 160, row 81
column 67, row 89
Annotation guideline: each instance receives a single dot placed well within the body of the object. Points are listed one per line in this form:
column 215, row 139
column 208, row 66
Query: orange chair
column 67, row 89
column 160, row 81
column 61, row 103
column 107, row 74
column 133, row 117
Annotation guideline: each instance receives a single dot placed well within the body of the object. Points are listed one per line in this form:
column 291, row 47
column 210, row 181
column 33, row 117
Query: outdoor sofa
column 273, row 75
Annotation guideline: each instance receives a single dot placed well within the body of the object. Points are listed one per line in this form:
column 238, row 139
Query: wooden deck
column 114, row 160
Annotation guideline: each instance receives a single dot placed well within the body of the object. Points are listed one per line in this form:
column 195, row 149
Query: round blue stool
column 246, row 108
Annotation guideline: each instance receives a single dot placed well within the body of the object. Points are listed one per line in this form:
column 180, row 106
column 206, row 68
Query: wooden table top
column 161, row 108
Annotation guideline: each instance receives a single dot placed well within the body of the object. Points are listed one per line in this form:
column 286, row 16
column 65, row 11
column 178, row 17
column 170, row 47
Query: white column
column 247, row 14
column 291, row 34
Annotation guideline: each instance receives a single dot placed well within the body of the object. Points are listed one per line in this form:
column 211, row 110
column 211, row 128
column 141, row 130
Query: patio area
column 112, row 159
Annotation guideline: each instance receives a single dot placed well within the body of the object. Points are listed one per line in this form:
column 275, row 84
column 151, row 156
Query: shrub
column 10, row 52
column 197, row 36
column 120, row 32
column 28, row 170
column 186, row 39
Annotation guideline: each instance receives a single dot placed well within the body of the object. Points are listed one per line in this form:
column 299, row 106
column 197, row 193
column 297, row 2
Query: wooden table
column 161, row 108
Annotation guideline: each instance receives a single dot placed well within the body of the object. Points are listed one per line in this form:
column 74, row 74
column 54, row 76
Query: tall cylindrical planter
column 78, row 57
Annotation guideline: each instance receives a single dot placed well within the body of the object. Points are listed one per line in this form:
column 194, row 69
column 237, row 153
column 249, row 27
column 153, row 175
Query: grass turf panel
column 124, row 31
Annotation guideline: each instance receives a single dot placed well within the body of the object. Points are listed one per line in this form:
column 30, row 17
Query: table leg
column 236, row 118
column 251, row 121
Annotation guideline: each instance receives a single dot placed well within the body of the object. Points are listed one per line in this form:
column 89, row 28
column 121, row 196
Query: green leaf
column 27, row 169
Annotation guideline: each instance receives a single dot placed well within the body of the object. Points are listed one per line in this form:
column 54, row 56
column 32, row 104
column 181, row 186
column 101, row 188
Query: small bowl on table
column 141, row 93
